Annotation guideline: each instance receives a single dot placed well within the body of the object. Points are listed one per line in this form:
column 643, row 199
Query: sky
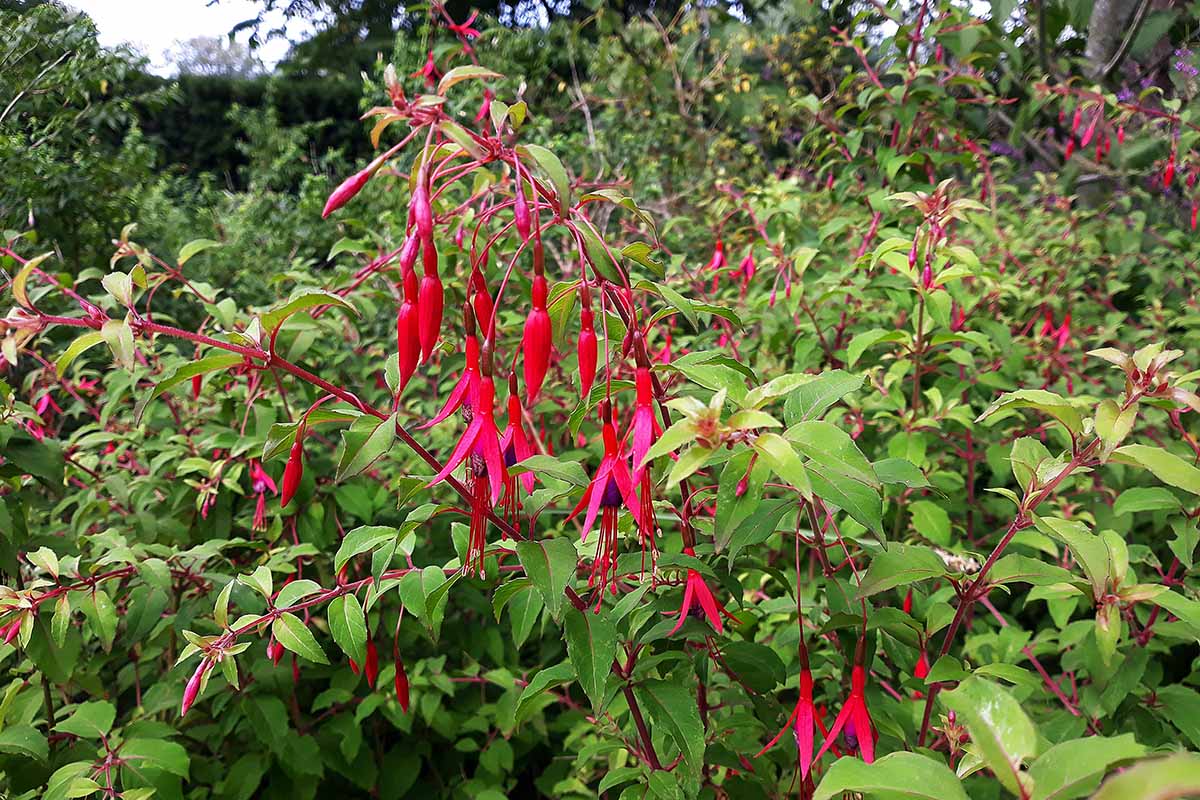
column 153, row 26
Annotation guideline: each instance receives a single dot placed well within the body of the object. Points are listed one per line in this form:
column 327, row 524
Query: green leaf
column 19, row 290
column 260, row 581
column 550, row 564
column 361, row 540
column 295, row 636
column 364, row 443
column 672, row 709
column 119, row 336
column 832, row 448
column 900, row 565
column 931, row 521
column 464, row 73
column 302, row 301
column 1185, row 608
column 1145, row 498
column 553, row 169
column 591, row 646
column 755, row 665
column 158, row 754
column 1175, row 776
column 348, row 626
column 186, row 372
column 24, row 740
column 82, row 344
column 779, row 455
column 90, row 720
column 194, row 247
column 1074, row 768
column 1041, row 400
column 896, row 775
column 1167, row 467
column 293, row 592
column 859, row 344
column 99, row 610
column 811, row 400
column 1016, row 568
column 1005, row 736
column 542, row 681
column 569, row 471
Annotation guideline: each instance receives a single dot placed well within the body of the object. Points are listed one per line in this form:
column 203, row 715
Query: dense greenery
column 845, row 357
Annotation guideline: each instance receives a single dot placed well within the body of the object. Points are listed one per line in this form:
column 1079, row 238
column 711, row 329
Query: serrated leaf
column 347, row 625
column 295, row 636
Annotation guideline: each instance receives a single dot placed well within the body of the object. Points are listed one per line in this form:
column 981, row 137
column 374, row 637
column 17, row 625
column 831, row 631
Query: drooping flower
column 193, row 687
column 294, row 471
column 408, row 331
column 401, row 680
column 485, row 108
column 921, row 671
column 468, row 382
column 480, row 443
column 429, row 302
column 521, row 217
column 481, row 301
column 515, row 446
column 464, row 29
column 802, row 722
column 261, row 482
column 429, row 71
column 587, row 343
column 644, row 430
column 854, row 719
column 536, row 344
column 610, row 489
column 697, row 596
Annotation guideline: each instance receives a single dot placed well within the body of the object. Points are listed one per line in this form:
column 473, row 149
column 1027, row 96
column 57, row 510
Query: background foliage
column 946, row 207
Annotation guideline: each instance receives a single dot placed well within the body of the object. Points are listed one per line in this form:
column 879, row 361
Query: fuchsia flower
column 587, row 343
column 536, row 344
column 408, row 333
column 611, row 488
column 429, row 71
column 468, row 382
column 854, row 721
column 644, row 430
column 464, row 29
column 193, row 687
column 802, row 721
column 485, row 108
column 695, row 592
column 430, row 294
column 485, row 469
column 481, row 301
column 260, row 482
column 294, row 471
column 515, row 446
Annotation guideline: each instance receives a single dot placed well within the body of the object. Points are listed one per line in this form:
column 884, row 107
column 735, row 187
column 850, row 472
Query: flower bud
column 193, row 688
column 346, row 191
column 294, row 469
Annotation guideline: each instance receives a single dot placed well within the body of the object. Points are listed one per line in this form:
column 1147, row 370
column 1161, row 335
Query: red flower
column 485, row 108
column 347, row 189
column 644, row 431
column 1063, row 335
column 515, row 446
column 429, row 302
column 260, row 482
column 695, row 592
column 468, row 382
column 193, row 687
column 521, row 208
column 801, row 721
column 854, row 720
column 536, row 343
column 429, row 72
column 408, row 332
column 587, row 342
column 464, row 29
column 294, row 469
column 486, row 471
column 611, row 487
column 372, row 663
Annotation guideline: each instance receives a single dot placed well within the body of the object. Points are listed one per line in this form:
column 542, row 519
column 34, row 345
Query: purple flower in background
column 1183, row 63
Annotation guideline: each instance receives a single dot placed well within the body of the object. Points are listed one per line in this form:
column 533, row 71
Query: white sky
column 154, row 26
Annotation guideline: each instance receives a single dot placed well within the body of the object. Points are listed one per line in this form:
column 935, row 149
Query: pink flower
column 193, row 687
column 468, row 382
column 854, row 720
column 429, row 72
column 695, row 592
column 515, row 446
column 261, row 482
column 610, row 488
column 801, row 721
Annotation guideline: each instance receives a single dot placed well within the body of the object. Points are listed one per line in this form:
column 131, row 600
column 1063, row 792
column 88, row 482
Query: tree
column 215, row 56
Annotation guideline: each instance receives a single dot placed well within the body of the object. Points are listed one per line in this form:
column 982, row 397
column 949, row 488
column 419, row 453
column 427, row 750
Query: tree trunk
column 1106, row 29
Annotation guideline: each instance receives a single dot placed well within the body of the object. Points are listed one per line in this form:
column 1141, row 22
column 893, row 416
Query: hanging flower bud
column 482, row 302
column 1169, row 172
column 408, row 331
column 1075, row 120
column 717, row 261
column 536, row 344
column 346, row 190
column 372, row 665
column 912, row 253
column 294, row 469
column 409, row 251
column 587, row 344
column 1091, row 130
column 401, row 683
column 521, row 209
column 1070, row 150
column 1195, row 208
column 197, row 383
column 422, row 209
column 1120, row 134
column 193, row 687
column 274, row 651
column 429, row 304
column 516, row 448
column 908, row 602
